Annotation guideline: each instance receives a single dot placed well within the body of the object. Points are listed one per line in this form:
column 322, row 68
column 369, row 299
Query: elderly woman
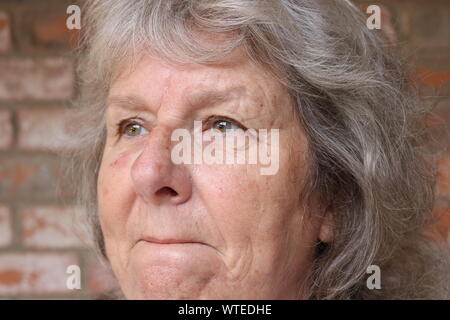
column 350, row 190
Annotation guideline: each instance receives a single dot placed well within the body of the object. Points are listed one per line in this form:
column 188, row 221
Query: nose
column 155, row 177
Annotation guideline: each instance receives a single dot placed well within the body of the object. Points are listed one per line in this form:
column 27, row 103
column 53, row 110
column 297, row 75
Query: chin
column 169, row 271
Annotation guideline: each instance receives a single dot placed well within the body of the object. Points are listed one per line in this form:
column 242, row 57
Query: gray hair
column 353, row 98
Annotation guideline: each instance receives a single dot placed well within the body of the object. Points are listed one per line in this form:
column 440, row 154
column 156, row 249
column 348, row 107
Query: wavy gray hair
column 352, row 96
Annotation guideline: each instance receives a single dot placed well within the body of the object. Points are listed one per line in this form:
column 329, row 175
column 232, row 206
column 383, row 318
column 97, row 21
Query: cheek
column 111, row 171
column 234, row 198
column 246, row 204
column 112, row 196
column 121, row 161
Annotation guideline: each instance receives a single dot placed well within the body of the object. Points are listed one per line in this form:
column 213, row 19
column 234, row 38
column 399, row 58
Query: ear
column 326, row 231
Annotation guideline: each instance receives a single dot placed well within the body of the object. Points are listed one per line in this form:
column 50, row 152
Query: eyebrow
column 131, row 102
column 200, row 99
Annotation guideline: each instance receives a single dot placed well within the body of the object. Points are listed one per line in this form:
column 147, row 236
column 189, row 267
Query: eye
column 131, row 128
column 135, row 129
column 224, row 124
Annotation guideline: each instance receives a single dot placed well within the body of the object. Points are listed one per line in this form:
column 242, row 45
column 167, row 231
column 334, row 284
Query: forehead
column 157, row 79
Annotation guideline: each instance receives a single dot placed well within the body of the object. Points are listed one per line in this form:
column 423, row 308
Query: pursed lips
column 169, row 241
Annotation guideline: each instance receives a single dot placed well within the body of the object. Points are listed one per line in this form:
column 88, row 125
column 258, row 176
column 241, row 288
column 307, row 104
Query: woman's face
column 212, row 231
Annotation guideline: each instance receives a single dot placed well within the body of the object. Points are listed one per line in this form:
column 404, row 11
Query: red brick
column 50, row 30
column 101, row 279
column 34, row 273
column 51, row 227
column 5, row 226
column 5, row 32
column 430, row 22
column 443, row 178
column 31, row 178
column 433, row 72
column 38, row 79
column 43, row 129
column 434, row 79
column 6, row 130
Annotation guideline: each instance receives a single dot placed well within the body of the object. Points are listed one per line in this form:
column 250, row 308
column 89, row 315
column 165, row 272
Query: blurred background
column 39, row 238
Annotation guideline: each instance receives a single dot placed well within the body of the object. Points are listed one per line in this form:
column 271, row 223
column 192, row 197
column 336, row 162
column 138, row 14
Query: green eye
column 224, row 125
column 134, row 130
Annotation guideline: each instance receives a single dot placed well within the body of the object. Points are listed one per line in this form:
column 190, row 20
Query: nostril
column 166, row 191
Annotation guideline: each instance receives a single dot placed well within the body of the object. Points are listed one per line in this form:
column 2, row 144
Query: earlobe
column 326, row 232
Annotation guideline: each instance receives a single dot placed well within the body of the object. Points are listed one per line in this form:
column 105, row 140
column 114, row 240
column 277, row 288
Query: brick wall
column 38, row 240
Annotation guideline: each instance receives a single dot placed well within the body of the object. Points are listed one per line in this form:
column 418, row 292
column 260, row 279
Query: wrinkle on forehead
column 186, row 84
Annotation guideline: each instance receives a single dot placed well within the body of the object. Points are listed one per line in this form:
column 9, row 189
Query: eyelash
column 121, row 125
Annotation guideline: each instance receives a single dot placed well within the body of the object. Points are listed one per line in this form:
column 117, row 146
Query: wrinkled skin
column 246, row 235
